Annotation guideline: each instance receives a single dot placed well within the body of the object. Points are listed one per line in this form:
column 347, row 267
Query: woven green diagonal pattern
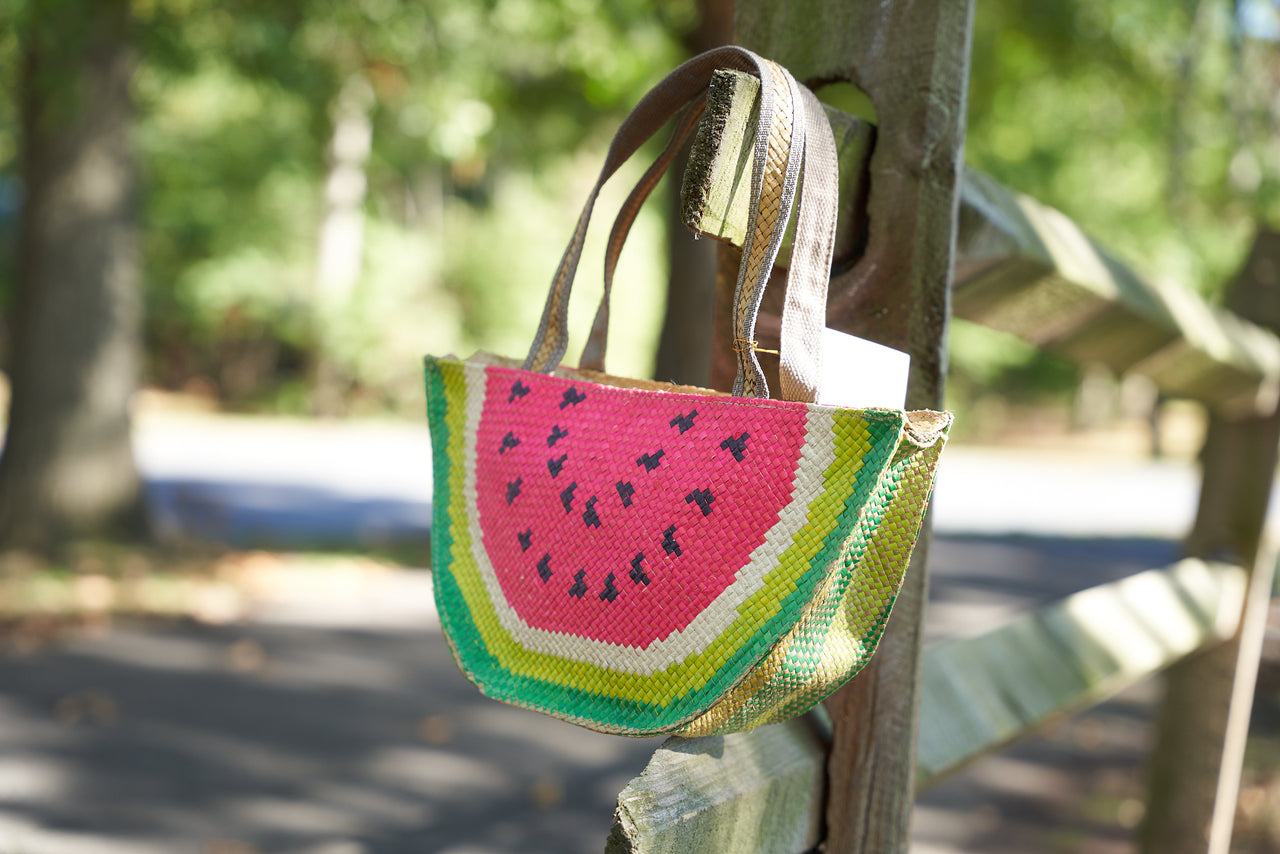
column 844, row 622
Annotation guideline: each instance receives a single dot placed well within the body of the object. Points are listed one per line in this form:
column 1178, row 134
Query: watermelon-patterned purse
column 643, row 559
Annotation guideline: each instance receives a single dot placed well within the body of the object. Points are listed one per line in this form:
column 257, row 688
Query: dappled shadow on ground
column 305, row 737
column 1075, row 788
column 284, row 739
column 978, row 582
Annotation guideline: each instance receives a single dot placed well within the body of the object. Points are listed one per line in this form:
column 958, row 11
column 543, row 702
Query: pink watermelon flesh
column 619, row 515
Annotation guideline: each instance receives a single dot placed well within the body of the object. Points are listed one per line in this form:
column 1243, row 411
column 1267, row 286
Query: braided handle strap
column 789, row 116
column 804, row 311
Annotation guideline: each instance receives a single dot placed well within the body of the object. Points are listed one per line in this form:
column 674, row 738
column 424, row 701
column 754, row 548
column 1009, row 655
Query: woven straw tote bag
column 639, row 558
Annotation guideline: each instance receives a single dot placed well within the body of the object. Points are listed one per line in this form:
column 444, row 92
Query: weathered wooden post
column 764, row 790
column 1204, row 717
column 912, row 60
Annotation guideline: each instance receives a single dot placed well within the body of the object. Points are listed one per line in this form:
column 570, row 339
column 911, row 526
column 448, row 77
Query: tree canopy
column 1151, row 123
column 478, row 111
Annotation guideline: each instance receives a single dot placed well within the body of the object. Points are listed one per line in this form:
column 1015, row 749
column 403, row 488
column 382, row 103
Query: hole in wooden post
column 853, row 121
column 848, row 98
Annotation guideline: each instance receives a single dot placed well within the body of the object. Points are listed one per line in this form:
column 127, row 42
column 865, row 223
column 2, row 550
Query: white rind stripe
column 816, row 457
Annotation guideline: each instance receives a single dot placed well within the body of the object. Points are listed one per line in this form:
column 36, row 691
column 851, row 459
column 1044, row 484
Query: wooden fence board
column 974, row 712
column 1023, row 268
column 758, row 791
column 1071, row 655
column 762, row 790
column 1027, row 269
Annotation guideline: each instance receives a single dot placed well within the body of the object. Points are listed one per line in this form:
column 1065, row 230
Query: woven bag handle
column 789, row 115
column 597, row 342
column 681, row 86
column 804, row 311
column 803, row 318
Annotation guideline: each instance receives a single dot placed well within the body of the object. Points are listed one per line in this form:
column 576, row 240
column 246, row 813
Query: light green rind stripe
column 838, row 635
column 888, row 549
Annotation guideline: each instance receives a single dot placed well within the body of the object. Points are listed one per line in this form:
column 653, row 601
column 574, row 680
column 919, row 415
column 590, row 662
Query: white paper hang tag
column 860, row 374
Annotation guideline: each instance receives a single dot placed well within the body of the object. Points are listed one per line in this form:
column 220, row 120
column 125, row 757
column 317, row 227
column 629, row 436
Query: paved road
column 338, row 725
column 286, row 738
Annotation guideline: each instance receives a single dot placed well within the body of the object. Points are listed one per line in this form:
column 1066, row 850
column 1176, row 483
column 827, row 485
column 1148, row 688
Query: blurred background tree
column 334, row 189
column 67, row 467
column 326, row 191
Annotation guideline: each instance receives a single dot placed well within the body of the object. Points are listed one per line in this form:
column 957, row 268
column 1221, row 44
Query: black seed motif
column 609, row 593
column 572, row 397
column 566, row 497
column 737, row 446
column 684, row 422
column 669, row 544
column 518, row 389
column 637, row 574
column 625, row 491
column 526, row 539
column 650, row 461
column 589, row 515
column 556, row 435
column 509, row 441
column 579, row 587
column 513, row 489
column 544, row 568
column 554, row 465
column 703, row 497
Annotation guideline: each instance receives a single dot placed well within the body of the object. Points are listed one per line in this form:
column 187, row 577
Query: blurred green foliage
column 1150, row 122
column 235, row 102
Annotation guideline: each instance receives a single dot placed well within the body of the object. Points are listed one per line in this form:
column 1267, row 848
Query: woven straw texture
column 640, row 562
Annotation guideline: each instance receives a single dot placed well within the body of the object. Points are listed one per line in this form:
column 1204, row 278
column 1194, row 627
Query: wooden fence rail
column 761, row 791
column 1023, row 268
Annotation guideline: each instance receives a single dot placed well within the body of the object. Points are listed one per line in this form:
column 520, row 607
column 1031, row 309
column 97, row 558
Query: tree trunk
column 340, row 248
column 67, row 468
column 1194, row 769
